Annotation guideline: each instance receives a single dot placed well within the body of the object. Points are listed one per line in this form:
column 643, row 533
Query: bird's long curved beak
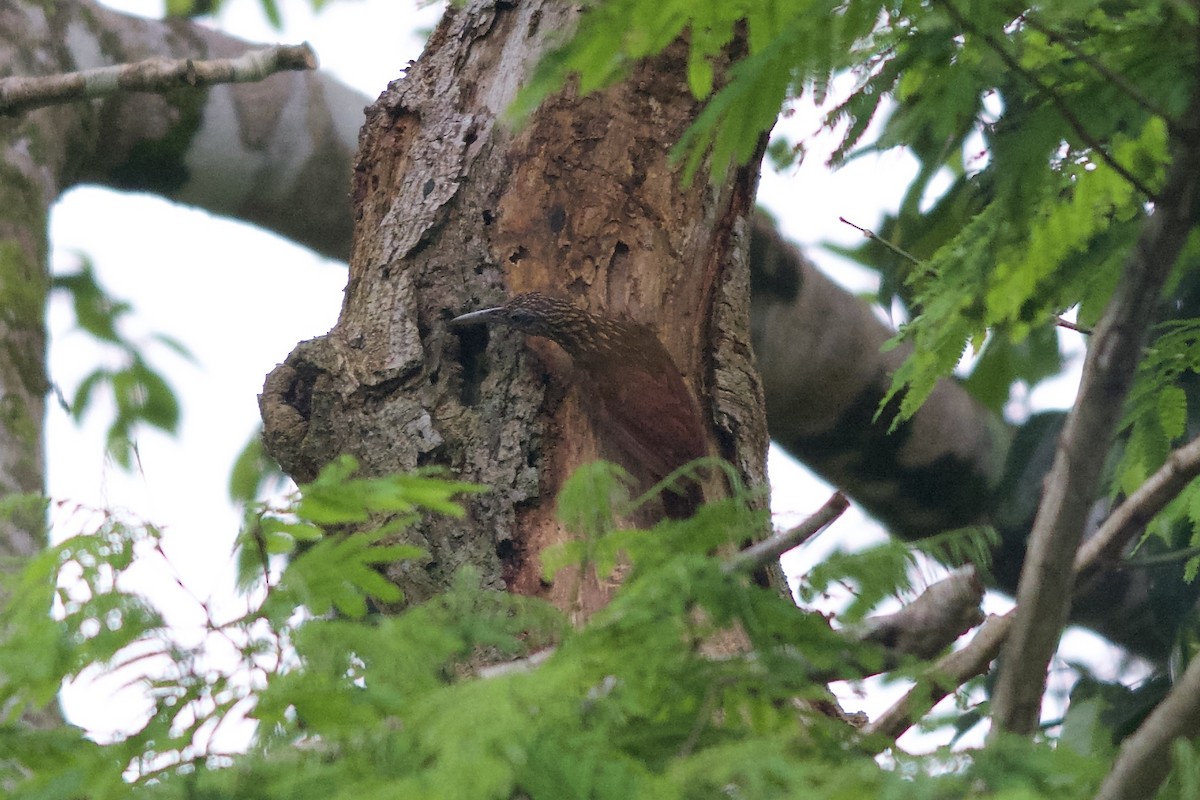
column 480, row 317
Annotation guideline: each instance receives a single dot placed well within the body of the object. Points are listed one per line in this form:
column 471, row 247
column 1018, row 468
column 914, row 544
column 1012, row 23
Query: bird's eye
column 522, row 318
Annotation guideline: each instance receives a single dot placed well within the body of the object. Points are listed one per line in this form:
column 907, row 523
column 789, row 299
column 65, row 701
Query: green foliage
column 340, row 572
column 1054, row 125
column 140, row 394
column 790, row 47
column 1157, row 410
column 254, row 472
column 289, row 636
column 1159, row 415
column 692, row 682
column 597, row 494
column 883, row 570
column 1050, row 181
column 1184, row 781
column 338, row 498
column 1007, row 272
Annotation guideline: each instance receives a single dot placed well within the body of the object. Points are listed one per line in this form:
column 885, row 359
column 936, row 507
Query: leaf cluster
column 140, row 393
column 692, row 682
column 1160, row 413
column 782, row 49
column 102, row 626
column 1052, row 124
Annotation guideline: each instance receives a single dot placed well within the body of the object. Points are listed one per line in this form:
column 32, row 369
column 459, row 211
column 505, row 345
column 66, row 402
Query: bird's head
column 532, row 313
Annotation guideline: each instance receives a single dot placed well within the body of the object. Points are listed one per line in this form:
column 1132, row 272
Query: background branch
column 18, row 94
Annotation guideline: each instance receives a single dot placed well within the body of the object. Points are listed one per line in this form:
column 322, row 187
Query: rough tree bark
column 453, row 210
column 276, row 154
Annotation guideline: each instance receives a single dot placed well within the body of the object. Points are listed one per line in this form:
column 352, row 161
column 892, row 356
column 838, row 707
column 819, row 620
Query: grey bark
column 821, row 352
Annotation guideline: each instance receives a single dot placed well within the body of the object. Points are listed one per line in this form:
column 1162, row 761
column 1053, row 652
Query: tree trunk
column 454, row 211
column 267, row 153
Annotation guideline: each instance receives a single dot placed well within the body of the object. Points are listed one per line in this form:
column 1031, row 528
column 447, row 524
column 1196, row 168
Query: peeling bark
column 455, row 211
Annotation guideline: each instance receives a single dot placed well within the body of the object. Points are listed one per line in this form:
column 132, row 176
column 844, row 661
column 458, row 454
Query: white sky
column 202, row 280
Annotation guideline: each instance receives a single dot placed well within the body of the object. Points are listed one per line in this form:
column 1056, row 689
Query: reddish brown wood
column 635, row 396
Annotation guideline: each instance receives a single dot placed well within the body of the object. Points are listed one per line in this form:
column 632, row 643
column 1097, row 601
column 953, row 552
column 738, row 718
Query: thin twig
column 1162, row 559
column 20, row 93
column 1071, row 326
column 1055, row 99
column 260, row 546
column 769, row 550
column 873, row 236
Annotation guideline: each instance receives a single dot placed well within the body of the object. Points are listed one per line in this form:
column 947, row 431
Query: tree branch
column 769, row 550
column 1044, row 591
column 19, row 94
column 950, row 672
column 1145, row 757
column 924, row 627
column 1162, row 559
column 1129, row 518
column 1181, row 466
column 1071, row 326
column 825, row 372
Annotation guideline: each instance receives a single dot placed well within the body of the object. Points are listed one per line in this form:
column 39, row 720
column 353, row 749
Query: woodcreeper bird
column 634, row 395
